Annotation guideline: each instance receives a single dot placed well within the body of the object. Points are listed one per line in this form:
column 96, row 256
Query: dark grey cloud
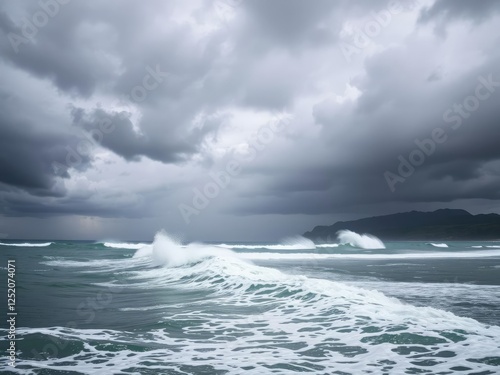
column 448, row 10
column 31, row 158
column 51, row 55
column 358, row 143
column 291, row 22
column 442, row 12
column 180, row 86
column 131, row 144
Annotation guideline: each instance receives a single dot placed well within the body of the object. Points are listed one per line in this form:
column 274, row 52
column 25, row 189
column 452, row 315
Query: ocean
column 354, row 306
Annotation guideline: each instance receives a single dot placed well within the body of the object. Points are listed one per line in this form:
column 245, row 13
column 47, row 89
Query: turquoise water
column 411, row 308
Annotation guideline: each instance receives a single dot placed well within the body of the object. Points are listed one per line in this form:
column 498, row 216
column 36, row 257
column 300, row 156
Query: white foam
column 250, row 247
column 438, row 244
column 364, row 241
column 273, row 341
column 289, row 243
column 124, row 245
column 27, row 244
column 328, row 245
column 422, row 255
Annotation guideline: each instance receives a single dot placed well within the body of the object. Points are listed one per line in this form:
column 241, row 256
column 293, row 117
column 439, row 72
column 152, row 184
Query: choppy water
column 411, row 308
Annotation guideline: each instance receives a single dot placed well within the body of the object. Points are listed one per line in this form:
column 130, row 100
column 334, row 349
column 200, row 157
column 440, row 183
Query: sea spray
column 297, row 243
column 364, row 241
column 167, row 252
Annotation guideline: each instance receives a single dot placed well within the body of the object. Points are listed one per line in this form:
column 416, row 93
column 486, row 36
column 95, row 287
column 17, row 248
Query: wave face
column 27, row 244
column 363, row 241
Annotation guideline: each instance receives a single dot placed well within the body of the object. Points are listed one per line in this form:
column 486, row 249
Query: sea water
column 352, row 306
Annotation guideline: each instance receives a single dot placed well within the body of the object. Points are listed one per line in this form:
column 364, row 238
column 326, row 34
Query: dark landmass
column 443, row 224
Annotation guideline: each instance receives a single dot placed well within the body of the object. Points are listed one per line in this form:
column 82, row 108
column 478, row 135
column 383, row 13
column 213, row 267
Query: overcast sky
column 243, row 119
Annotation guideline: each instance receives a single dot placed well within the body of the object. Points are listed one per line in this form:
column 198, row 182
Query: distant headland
column 444, row 224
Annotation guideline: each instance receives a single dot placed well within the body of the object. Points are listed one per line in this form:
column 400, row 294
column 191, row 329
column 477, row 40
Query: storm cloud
column 115, row 114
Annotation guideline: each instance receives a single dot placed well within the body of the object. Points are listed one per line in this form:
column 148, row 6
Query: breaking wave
column 438, row 244
column 236, row 317
column 167, row 252
column 363, row 241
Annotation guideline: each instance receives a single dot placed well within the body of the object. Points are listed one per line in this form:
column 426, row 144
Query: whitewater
column 344, row 307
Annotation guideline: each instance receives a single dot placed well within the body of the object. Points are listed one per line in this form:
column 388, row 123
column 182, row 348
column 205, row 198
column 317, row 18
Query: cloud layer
column 116, row 113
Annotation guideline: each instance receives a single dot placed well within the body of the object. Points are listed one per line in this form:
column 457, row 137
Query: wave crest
column 167, row 252
column 364, row 241
column 438, row 244
column 27, row 244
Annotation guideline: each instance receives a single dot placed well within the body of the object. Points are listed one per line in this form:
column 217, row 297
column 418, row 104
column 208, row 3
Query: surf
column 223, row 305
column 276, row 297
